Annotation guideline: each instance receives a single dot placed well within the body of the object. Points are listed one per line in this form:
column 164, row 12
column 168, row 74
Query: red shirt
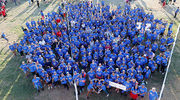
column 58, row 33
column 106, row 47
column 3, row 12
column 58, row 20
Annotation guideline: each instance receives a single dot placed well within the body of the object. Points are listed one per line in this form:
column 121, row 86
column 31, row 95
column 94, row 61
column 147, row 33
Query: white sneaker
column 146, row 82
column 48, row 88
column 107, row 95
column 51, row 87
column 98, row 92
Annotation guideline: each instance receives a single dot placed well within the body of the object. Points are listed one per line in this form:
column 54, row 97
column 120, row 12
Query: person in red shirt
column 164, row 3
column 58, row 20
column 108, row 47
column 3, row 12
column 58, row 33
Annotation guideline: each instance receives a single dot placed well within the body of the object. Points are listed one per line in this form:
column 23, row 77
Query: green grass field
column 15, row 86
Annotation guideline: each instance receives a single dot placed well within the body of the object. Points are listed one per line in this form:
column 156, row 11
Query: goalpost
column 164, row 81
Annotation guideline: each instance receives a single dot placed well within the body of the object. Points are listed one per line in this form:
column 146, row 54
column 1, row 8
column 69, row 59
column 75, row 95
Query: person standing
column 174, row 2
column 90, row 88
column 37, row 83
column 142, row 90
column 176, row 12
column 15, row 2
column 153, row 94
column 38, row 3
column 3, row 36
column 24, row 68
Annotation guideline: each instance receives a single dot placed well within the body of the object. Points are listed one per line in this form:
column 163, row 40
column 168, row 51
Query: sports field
column 15, row 86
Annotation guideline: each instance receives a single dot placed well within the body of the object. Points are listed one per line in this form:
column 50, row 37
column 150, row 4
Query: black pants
column 56, row 83
column 38, row 5
column 175, row 15
column 21, row 53
column 65, row 85
column 158, row 67
column 80, row 88
column 163, row 68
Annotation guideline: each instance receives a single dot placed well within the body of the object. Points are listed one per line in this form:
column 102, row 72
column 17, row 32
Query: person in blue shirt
column 111, row 63
column 89, row 58
column 91, row 74
column 54, row 63
column 90, row 88
column 170, row 41
column 167, row 54
column 176, row 12
column 153, row 94
column 84, row 64
column 164, row 64
column 12, row 48
column 48, row 81
column 24, row 68
column 141, row 48
column 32, row 67
column 99, row 73
column 142, row 90
column 146, row 73
column 154, row 47
column 55, row 79
column 128, row 87
column 37, row 83
column 69, row 79
column 134, row 92
column 103, row 87
column 64, row 81
column 3, row 36
column 162, row 48
column 139, row 39
column 113, row 76
column 81, row 83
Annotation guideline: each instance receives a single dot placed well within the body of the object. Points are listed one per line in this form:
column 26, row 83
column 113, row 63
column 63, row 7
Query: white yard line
column 164, row 81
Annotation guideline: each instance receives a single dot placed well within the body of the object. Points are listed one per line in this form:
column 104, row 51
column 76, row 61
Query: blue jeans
column 38, row 85
column 106, row 91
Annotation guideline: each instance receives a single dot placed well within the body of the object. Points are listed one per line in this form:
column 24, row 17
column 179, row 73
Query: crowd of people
column 90, row 45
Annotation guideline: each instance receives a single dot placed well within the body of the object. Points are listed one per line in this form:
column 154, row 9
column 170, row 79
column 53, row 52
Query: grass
column 15, row 86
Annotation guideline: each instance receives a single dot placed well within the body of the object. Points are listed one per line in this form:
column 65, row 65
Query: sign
column 116, row 85
column 139, row 25
column 147, row 28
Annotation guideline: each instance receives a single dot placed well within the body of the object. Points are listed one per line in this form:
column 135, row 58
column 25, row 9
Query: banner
column 116, row 85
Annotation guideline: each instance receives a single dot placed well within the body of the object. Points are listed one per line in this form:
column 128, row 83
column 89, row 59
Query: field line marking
column 75, row 86
column 164, row 81
column 5, row 97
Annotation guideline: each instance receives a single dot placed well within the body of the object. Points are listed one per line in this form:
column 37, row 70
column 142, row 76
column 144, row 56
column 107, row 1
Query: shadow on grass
column 10, row 6
column 13, row 84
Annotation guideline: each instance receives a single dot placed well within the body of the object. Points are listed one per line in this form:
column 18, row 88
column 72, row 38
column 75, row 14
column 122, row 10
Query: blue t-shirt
column 91, row 74
column 134, row 90
column 69, row 78
column 36, row 81
column 81, row 81
column 99, row 73
column 55, row 77
column 152, row 95
column 128, row 85
column 24, row 67
column 63, row 80
column 142, row 90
